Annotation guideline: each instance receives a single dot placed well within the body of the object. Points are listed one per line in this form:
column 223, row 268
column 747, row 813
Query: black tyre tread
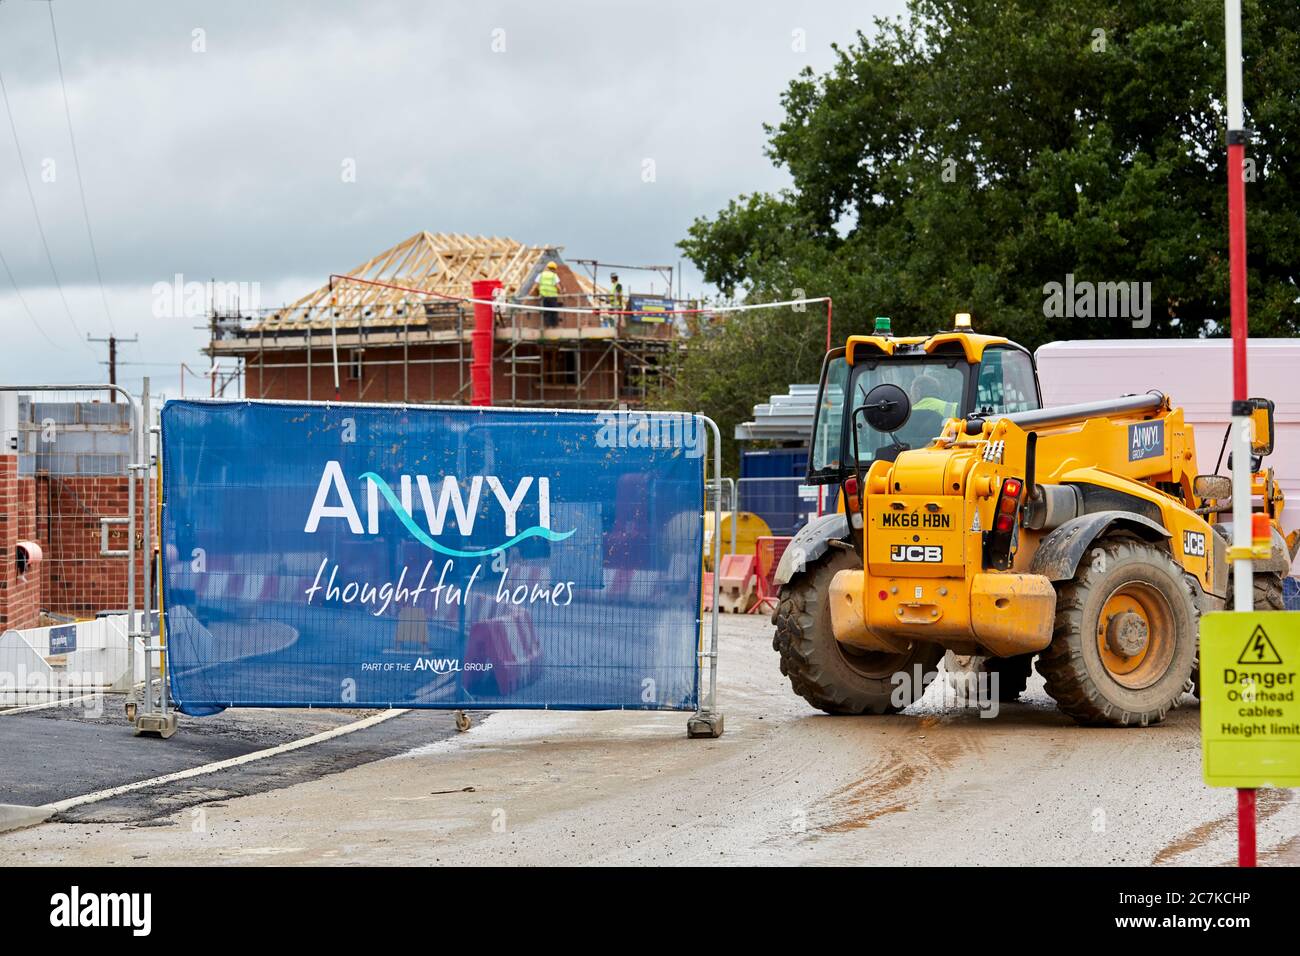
column 1061, row 664
column 811, row 676
column 1268, row 593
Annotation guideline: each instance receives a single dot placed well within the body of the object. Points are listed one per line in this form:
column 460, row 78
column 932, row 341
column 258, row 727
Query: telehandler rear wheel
column 829, row 675
column 1268, row 593
column 1268, row 597
column 1124, row 645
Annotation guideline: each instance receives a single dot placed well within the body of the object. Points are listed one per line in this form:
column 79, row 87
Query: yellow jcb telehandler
column 973, row 520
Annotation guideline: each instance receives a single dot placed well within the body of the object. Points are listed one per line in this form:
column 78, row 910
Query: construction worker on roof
column 616, row 300
column 548, row 287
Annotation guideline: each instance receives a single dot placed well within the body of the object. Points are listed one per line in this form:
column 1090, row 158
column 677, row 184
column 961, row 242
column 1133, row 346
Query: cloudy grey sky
column 213, row 137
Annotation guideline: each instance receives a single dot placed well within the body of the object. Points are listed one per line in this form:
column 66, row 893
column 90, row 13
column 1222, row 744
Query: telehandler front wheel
column 1124, row 644
column 829, row 675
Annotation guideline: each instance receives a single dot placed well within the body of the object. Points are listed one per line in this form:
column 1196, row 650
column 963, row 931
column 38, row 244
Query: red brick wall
column 382, row 380
column 78, row 581
column 20, row 597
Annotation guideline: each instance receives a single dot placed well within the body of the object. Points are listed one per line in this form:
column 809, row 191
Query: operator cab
column 955, row 374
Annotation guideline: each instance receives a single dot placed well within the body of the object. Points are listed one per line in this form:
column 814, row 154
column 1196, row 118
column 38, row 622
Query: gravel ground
column 785, row 784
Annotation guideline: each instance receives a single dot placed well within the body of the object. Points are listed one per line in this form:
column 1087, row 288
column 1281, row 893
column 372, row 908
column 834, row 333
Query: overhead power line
column 76, row 165
column 26, row 308
column 40, row 228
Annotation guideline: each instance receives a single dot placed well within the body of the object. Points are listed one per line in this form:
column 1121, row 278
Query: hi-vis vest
column 931, row 404
column 548, row 285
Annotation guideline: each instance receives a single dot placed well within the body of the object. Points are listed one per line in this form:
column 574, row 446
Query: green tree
column 964, row 157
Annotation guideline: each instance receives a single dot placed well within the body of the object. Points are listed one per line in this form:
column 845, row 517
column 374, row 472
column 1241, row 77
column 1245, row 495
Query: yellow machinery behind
column 974, row 521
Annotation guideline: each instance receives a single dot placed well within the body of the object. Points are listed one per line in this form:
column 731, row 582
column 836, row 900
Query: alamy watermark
column 181, row 299
column 1098, row 300
column 636, row 429
column 975, row 688
column 75, row 908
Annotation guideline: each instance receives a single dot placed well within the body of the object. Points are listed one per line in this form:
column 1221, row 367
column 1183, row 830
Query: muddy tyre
column 1124, row 646
column 828, row 675
column 1268, row 593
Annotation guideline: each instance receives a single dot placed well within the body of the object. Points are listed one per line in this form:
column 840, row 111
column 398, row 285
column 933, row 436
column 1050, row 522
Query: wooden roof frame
column 443, row 263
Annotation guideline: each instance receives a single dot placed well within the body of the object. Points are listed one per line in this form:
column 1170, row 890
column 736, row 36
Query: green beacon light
column 882, row 325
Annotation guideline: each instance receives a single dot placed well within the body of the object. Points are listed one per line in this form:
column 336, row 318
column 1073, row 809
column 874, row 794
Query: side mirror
column 1212, row 487
column 886, row 408
column 1261, row 416
column 1256, row 463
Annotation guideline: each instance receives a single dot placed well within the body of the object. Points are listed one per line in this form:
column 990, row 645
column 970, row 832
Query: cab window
column 824, row 461
column 1006, row 382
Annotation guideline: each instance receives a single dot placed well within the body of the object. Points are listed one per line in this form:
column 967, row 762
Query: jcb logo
column 1194, row 544
column 916, row 553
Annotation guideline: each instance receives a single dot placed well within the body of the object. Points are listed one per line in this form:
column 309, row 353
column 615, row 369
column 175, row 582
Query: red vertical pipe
column 1237, row 268
column 1237, row 263
column 482, row 342
column 1238, row 136
column 1245, row 827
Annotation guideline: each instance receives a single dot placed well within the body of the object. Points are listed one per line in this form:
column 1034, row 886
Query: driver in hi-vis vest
column 924, row 392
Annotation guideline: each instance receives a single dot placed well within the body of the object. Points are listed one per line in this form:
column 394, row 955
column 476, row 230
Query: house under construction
column 404, row 334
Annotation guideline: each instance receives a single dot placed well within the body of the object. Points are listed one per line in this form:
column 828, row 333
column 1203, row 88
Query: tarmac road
column 785, row 784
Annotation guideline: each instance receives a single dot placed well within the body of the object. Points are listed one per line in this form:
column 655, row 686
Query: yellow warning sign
column 1250, row 714
column 1259, row 649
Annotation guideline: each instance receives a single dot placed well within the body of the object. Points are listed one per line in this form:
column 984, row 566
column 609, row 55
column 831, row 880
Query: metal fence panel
column 786, row 504
column 373, row 556
column 66, row 488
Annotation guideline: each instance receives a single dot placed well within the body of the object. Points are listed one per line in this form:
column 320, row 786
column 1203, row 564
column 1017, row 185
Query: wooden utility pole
column 112, row 341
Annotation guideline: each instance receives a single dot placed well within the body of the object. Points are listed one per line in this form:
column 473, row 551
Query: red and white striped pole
column 1243, row 591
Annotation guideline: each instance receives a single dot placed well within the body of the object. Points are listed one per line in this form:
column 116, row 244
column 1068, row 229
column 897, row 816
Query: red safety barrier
column 736, row 583
column 767, row 555
column 507, row 643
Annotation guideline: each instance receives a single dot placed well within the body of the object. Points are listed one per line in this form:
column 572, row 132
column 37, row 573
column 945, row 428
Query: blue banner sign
column 376, row 556
column 650, row 308
column 63, row 639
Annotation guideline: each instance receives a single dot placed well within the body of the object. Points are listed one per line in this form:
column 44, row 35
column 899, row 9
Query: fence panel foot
column 704, row 723
column 155, row 725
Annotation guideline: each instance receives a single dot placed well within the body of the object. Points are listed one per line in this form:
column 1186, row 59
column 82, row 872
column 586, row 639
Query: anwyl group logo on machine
column 1146, row 440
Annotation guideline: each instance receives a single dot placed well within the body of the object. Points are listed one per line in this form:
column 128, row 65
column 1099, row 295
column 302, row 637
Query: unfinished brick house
column 378, row 341
column 62, row 473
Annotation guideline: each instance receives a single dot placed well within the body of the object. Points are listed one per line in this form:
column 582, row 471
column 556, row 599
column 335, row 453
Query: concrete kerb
column 14, row 816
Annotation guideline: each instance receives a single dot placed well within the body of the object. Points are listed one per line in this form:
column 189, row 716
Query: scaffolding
column 403, row 334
